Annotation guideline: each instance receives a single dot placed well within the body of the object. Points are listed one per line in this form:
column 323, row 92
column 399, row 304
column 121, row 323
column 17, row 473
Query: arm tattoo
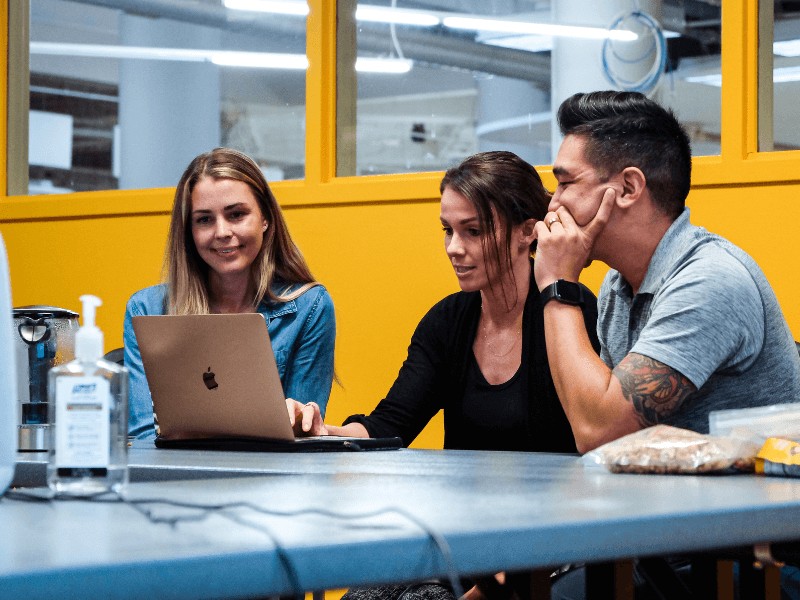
column 655, row 389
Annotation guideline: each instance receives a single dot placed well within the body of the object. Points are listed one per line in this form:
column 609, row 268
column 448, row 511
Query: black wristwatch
column 564, row 291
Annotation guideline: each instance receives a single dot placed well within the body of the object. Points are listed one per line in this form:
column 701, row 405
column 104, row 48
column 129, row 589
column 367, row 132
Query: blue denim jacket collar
column 272, row 310
column 302, row 333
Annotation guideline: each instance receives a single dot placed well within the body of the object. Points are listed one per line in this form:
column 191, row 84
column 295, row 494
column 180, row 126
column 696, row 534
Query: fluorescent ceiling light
column 260, row 60
column 404, row 16
column 522, row 27
column 280, row 7
column 714, row 79
column 107, row 51
column 264, row 60
column 364, row 12
column 398, row 16
column 786, row 48
column 786, row 74
column 779, row 75
column 225, row 58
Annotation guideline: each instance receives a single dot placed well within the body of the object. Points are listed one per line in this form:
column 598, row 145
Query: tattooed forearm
column 655, row 389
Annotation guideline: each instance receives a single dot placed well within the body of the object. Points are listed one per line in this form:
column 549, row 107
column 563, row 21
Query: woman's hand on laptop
column 305, row 419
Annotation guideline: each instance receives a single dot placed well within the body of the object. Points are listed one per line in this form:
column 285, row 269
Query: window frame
column 739, row 161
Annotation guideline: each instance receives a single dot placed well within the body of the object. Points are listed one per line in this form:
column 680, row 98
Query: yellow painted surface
column 375, row 242
column 383, row 263
column 54, row 262
column 384, row 266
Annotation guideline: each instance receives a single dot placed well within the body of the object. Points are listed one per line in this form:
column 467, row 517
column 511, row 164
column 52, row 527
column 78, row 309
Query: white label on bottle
column 82, row 422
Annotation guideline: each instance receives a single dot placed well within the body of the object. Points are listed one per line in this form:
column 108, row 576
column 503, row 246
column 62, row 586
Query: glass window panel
column 482, row 77
column 780, row 130
column 125, row 100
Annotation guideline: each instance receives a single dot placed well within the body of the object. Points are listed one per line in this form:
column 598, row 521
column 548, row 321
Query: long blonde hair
column 279, row 262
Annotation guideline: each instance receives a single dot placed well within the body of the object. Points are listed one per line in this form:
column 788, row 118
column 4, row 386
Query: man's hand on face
column 564, row 247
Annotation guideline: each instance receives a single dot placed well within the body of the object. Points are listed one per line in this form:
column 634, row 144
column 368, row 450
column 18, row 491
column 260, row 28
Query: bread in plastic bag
column 666, row 449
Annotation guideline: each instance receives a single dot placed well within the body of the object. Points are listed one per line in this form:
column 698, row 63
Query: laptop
column 215, row 385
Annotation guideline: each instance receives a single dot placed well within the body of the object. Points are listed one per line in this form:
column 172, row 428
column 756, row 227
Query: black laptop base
column 326, row 443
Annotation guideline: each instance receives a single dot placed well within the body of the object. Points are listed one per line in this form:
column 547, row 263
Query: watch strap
column 566, row 292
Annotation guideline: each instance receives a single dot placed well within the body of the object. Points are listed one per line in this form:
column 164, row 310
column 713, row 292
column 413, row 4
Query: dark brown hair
column 502, row 186
column 627, row 129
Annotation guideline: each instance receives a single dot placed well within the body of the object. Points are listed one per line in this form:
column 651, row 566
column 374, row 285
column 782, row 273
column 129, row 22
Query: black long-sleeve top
column 434, row 376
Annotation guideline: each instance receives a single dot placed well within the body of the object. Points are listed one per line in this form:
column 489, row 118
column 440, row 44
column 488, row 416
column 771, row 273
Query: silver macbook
column 215, row 385
column 212, row 376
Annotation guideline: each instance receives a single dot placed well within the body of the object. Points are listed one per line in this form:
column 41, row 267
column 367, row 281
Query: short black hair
column 627, row 129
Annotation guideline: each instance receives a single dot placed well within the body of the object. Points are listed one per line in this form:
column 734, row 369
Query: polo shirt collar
column 676, row 237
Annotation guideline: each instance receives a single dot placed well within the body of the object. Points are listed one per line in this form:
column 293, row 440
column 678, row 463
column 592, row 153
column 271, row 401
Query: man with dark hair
column 687, row 321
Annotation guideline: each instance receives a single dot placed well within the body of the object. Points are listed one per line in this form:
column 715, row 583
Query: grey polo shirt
column 706, row 310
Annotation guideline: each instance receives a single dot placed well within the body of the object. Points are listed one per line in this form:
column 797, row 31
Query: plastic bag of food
column 665, row 449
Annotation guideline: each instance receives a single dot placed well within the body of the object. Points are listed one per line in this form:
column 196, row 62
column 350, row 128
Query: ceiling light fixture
column 223, row 58
column 396, row 16
column 364, row 12
column 280, row 7
column 786, row 74
column 789, row 48
column 521, row 27
column 779, row 75
column 264, row 60
column 259, row 60
column 421, row 18
column 713, row 79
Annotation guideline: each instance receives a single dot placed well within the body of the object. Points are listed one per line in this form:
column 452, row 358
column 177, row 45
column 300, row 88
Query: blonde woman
column 229, row 251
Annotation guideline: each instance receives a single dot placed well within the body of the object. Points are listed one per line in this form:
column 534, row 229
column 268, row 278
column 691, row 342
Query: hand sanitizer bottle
column 88, row 400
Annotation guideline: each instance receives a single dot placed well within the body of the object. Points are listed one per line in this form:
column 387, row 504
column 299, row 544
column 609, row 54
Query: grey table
column 497, row 511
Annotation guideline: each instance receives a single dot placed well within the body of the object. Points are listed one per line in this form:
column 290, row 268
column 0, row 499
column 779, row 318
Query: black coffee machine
column 44, row 337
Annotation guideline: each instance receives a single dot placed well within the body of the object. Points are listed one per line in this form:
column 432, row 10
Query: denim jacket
column 302, row 332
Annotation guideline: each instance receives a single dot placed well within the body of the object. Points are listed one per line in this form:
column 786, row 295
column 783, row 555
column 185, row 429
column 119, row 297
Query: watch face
column 569, row 292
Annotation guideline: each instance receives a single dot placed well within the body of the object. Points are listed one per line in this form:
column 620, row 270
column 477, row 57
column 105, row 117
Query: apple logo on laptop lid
column 208, row 379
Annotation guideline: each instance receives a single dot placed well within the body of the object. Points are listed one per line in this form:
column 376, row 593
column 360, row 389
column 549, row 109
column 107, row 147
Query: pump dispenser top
column 89, row 338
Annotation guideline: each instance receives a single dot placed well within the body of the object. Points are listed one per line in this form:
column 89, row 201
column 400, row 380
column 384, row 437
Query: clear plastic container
column 757, row 423
column 88, row 456
column 88, row 416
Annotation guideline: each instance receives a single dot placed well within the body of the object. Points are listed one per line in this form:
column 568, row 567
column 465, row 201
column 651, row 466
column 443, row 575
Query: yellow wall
column 375, row 242
column 384, row 265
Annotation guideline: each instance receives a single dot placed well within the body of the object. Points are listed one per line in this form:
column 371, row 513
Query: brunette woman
column 480, row 353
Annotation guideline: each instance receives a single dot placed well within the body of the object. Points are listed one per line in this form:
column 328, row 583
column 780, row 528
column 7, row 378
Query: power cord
column 141, row 505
